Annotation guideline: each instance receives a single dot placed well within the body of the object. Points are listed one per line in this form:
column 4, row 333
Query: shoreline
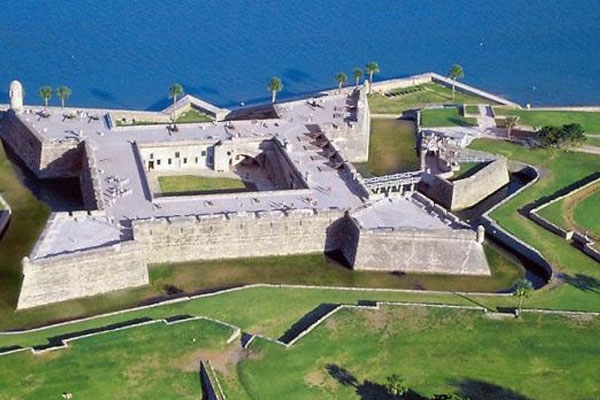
column 287, row 97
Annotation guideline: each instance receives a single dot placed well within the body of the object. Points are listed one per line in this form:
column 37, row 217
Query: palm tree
column 63, row 93
column 175, row 91
column 523, row 290
column 358, row 74
column 371, row 68
column 341, row 78
column 45, row 93
column 456, row 72
column 510, row 122
column 274, row 85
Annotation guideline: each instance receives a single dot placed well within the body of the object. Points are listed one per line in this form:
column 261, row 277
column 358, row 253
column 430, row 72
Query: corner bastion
column 312, row 199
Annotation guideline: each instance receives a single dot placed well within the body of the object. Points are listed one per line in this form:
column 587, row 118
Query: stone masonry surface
column 315, row 201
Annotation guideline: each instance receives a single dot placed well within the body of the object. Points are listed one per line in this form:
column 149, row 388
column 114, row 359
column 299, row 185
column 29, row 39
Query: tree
column 358, row 74
column 341, row 78
column 456, row 72
column 45, row 93
column 572, row 135
column 274, row 85
column 396, row 386
column 371, row 68
column 523, row 289
column 548, row 136
column 510, row 122
column 175, row 91
column 63, row 93
column 564, row 137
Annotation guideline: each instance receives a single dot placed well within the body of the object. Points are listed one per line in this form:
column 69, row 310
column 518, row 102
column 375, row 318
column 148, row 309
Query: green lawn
column 424, row 95
column 593, row 141
column 392, row 148
column 579, row 287
column 150, row 362
column 579, row 211
column 435, row 351
column 178, row 184
column 433, row 118
column 472, row 110
column 555, row 213
column 587, row 213
column 589, row 120
column 192, row 116
column 188, row 117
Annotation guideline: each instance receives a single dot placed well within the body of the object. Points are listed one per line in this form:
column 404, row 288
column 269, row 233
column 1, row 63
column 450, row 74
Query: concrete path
column 486, row 117
column 588, row 149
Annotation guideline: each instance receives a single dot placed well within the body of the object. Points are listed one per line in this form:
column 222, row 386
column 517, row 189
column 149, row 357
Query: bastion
column 303, row 194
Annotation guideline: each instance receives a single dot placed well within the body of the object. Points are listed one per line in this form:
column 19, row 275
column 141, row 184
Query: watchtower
column 15, row 94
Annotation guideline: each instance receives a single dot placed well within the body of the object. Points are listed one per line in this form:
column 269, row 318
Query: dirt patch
column 377, row 319
column 581, row 319
column 223, row 361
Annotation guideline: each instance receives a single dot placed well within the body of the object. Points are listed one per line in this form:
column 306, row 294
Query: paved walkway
column 486, row 117
column 587, row 149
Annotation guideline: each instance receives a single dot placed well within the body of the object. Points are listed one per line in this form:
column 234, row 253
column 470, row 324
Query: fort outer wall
column 256, row 234
column 410, row 250
column 82, row 274
column 463, row 193
column 45, row 158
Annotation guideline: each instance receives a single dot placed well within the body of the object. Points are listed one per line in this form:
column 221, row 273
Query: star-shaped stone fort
column 302, row 193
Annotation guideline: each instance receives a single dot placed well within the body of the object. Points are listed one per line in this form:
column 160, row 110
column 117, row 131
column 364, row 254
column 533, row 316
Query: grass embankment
column 435, row 118
column 178, row 184
column 580, row 211
column 589, row 120
column 428, row 94
column 435, row 351
column 579, row 283
column 392, row 148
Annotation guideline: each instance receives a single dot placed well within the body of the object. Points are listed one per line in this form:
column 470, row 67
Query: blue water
column 125, row 53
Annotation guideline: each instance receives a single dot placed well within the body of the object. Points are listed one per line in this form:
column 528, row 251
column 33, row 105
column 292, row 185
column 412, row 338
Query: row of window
column 178, row 155
column 185, row 161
